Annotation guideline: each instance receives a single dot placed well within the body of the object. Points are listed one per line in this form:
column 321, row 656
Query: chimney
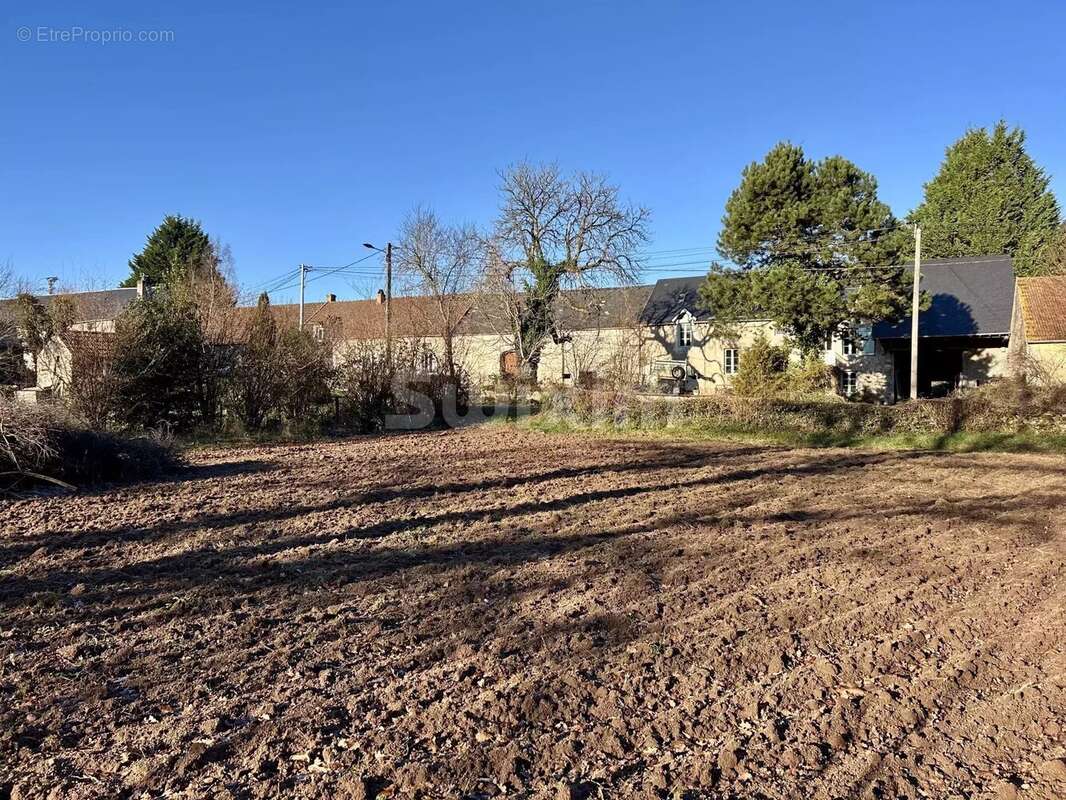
column 140, row 288
column 381, row 297
column 52, row 284
column 331, row 298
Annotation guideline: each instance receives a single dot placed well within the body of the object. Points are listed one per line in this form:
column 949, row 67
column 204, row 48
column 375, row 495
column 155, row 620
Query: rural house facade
column 87, row 339
column 1038, row 329
column 978, row 327
column 660, row 337
column 963, row 336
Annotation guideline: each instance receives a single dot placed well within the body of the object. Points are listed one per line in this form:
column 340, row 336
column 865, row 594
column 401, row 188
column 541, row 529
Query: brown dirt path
column 491, row 612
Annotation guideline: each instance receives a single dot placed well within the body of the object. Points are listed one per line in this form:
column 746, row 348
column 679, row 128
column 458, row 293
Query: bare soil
column 493, row 612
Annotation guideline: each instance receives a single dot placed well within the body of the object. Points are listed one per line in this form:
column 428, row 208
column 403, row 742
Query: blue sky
column 296, row 134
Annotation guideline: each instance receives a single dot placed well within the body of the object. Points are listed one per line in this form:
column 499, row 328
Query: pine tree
column 809, row 240
column 178, row 246
column 989, row 198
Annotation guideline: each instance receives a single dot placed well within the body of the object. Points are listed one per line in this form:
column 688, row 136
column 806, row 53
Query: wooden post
column 303, row 275
column 388, row 302
column 915, row 302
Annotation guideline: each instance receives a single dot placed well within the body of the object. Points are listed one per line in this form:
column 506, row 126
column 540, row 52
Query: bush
column 766, row 370
column 277, row 377
column 46, row 443
column 1004, row 407
column 372, row 387
column 365, row 381
column 159, row 357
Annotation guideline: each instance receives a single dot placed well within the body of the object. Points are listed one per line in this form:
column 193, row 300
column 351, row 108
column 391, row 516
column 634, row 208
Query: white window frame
column 730, row 360
column 684, row 333
column 827, row 345
column 848, row 345
column 318, row 331
column 849, row 376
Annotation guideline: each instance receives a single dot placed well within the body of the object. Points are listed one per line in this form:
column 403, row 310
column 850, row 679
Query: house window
column 827, row 345
column 849, row 345
column 849, row 382
column 430, row 363
column 684, row 333
column 319, row 332
column 730, row 360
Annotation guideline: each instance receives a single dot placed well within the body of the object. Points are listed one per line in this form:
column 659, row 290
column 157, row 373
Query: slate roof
column 670, row 297
column 414, row 316
column 1042, row 304
column 970, row 297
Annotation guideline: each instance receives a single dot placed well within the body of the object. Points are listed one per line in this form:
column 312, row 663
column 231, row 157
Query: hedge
column 1003, row 408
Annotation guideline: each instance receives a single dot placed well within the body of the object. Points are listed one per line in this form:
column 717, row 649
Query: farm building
column 963, row 335
column 1038, row 329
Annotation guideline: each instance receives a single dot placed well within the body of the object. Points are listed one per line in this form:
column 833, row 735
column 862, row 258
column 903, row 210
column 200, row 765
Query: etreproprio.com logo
column 76, row 34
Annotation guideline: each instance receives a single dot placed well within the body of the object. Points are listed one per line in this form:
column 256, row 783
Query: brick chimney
column 331, row 298
column 380, row 297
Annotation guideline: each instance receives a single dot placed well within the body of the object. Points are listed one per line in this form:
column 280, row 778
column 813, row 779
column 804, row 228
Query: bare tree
column 556, row 232
column 441, row 262
column 208, row 288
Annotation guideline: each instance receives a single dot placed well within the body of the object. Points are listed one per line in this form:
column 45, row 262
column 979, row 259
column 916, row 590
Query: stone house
column 659, row 337
column 1038, row 329
column 94, row 316
column 963, row 336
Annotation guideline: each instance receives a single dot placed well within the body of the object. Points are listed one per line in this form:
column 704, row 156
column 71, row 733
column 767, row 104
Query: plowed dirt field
column 493, row 612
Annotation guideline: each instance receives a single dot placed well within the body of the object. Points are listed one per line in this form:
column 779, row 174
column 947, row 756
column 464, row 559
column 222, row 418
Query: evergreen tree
column 173, row 250
column 810, row 240
column 1052, row 260
column 989, row 198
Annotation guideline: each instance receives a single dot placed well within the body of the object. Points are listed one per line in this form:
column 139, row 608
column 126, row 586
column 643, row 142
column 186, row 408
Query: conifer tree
column 989, row 198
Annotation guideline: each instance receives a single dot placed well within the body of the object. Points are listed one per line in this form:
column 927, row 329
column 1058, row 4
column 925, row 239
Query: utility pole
column 915, row 302
column 303, row 276
column 388, row 302
column 388, row 295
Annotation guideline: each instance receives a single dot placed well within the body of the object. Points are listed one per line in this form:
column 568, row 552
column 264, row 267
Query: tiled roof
column 1043, row 308
column 103, row 304
column 970, row 297
column 577, row 309
column 89, row 344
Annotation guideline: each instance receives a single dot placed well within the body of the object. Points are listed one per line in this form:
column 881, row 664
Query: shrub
column 372, row 387
column 159, row 349
column 766, row 370
column 255, row 384
column 306, row 371
column 95, row 391
column 762, row 368
column 47, row 443
column 1005, row 407
column 365, row 380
